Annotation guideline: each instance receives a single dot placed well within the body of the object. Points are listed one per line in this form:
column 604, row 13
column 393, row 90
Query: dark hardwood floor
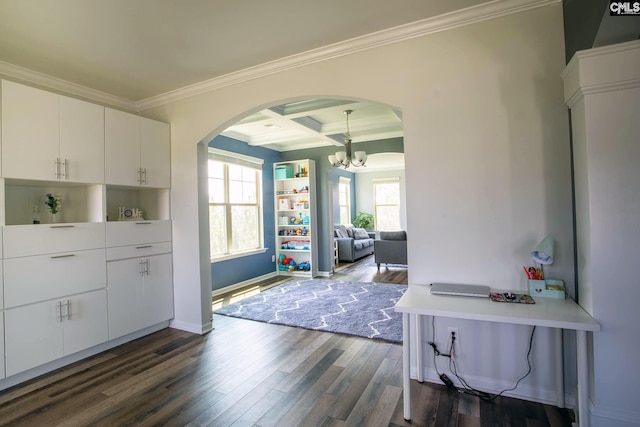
column 246, row 373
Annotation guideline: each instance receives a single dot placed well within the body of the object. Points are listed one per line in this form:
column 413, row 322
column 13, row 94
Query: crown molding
column 490, row 10
column 483, row 12
column 45, row 81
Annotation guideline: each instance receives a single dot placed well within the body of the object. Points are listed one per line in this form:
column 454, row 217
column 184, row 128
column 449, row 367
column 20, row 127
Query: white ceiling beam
column 287, row 123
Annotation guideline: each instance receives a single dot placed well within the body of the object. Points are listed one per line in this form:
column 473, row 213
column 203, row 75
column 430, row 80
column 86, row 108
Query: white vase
column 55, row 217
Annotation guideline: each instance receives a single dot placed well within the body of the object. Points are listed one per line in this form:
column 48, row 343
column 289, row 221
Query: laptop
column 480, row 291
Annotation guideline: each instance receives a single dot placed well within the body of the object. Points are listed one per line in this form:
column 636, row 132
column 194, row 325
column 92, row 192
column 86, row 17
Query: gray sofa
column 391, row 248
column 353, row 243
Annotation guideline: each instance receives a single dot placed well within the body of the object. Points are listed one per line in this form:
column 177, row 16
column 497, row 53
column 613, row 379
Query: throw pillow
column 360, row 233
column 350, row 232
column 341, row 231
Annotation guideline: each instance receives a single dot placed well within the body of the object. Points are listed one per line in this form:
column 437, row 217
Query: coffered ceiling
column 317, row 123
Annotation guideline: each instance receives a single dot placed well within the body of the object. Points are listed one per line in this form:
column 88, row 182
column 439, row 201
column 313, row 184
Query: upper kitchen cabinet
column 137, row 151
column 50, row 137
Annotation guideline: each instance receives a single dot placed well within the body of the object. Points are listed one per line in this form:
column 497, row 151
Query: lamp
column 343, row 158
column 543, row 253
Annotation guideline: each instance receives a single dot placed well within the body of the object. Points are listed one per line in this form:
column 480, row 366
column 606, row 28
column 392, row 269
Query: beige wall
column 487, row 159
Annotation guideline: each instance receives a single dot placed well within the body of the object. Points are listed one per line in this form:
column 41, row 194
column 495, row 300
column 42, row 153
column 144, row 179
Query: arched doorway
column 310, row 128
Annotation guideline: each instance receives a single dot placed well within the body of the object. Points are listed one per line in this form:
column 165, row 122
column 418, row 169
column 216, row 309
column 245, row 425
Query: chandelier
column 343, row 159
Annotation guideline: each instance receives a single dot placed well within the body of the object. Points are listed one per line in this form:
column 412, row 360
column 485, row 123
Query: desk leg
column 406, row 368
column 418, row 341
column 559, row 368
column 583, row 379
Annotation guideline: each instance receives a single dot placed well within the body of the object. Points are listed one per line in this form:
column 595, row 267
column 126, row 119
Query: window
column 344, row 187
column 386, row 193
column 235, row 208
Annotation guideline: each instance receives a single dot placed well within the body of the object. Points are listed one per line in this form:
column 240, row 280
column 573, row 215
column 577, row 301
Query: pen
column 526, row 272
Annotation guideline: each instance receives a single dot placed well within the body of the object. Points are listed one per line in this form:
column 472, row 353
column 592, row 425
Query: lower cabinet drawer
column 39, row 278
column 28, row 240
column 127, row 233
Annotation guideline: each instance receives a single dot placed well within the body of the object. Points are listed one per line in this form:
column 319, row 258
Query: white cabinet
column 140, row 293
column 155, row 153
column 295, row 199
column 55, row 296
column 50, row 137
column 29, row 119
column 81, row 141
column 42, row 332
column 137, row 150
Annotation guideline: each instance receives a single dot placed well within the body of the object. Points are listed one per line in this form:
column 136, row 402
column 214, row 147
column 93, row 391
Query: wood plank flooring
column 246, row 373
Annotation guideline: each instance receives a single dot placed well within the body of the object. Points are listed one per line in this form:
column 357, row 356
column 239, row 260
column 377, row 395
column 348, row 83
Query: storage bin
column 547, row 288
column 284, row 172
column 284, row 204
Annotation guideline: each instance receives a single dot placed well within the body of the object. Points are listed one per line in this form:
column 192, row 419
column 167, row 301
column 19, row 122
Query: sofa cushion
column 393, row 235
column 341, row 231
column 350, row 232
column 360, row 233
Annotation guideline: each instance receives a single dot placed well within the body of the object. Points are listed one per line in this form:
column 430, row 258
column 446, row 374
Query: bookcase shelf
column 296, row 218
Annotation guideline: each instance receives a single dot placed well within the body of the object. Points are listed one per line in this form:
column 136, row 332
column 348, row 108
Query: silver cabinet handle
column 140, row 175
column 144, row 175
column 62, row 256
column 144, row 247
column 143, row 223
column 59, row 307
column 65, row 174
column 146, row 263
column 61, row 226
column 68, row 309
column 57, row 172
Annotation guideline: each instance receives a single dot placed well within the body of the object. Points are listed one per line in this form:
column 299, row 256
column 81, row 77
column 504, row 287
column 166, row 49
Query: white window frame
column 229, row 157
column 346, row 182
column 388, row 180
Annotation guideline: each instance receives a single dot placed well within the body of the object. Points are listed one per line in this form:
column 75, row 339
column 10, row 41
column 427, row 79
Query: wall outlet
column 273, row 258
column 450, row 331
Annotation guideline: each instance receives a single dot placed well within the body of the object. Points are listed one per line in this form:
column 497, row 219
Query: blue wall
column 334, row 176
column 225, row 273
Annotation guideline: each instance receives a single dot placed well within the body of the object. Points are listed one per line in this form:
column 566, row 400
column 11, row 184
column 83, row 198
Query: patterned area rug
column 363, row 309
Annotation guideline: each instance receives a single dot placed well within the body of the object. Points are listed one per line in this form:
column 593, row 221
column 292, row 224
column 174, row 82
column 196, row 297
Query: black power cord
column 466, row 388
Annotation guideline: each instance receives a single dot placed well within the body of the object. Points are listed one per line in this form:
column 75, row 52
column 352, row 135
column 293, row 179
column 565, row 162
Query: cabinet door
column 155, row 153
column 30, row 132
column 122, row 148
column 158, row 289
column 81, row 141
column 125, row 297
column 33, row 336
column 87, row 323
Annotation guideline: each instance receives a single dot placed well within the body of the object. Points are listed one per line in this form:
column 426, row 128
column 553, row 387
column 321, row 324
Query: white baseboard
column 241, row 285
column 325, row 273
column 491, row 385
column 72, row 358
column 602, row 416
column 192, row 327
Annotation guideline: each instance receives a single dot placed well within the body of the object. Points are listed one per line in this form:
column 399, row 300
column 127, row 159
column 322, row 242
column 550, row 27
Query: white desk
column 547, row 312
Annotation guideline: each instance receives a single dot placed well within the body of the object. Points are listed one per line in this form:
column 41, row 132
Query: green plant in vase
column 53, row 204
column 364, row 220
